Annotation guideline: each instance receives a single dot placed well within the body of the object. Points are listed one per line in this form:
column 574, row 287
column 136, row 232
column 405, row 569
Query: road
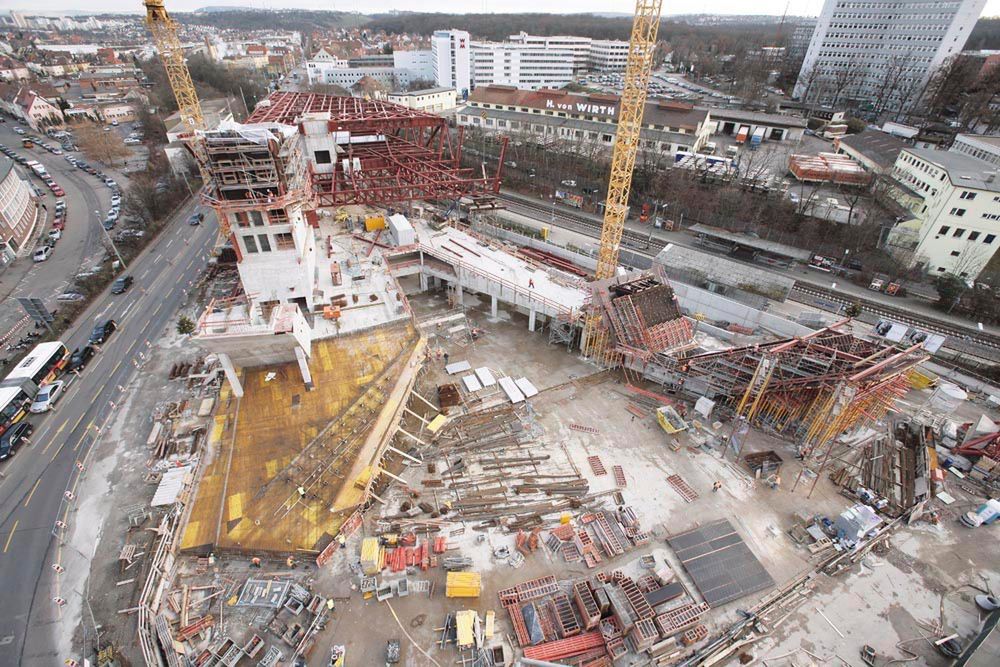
column 32, row 489
column 80, row 245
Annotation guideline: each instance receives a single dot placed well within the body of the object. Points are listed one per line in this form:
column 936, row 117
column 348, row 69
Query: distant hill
column 240, row 18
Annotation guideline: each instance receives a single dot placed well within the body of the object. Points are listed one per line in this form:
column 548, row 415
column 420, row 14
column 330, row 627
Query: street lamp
column 97, row 216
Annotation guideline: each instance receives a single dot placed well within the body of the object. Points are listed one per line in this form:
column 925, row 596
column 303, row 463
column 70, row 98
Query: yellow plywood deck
column 249, row 496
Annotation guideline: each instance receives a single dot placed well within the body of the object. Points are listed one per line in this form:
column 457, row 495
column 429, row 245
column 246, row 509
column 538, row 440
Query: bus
column 42, row 365
column 14, row 403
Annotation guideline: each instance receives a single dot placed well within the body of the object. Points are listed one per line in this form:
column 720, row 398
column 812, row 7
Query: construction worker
column 775, row 481
column 716, row 486
column 255, row 562
column 290, row 561
column 445, row 358
column 531, row 283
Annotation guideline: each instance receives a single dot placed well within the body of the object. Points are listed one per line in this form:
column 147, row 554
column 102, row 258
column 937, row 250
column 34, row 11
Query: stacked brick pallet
column 680, row 618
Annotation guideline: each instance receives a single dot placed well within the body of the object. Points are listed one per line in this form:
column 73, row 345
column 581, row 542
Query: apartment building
column 955, row 200
column 583, row 124
column 18, row 212
column 523, row 61
column 878, row 56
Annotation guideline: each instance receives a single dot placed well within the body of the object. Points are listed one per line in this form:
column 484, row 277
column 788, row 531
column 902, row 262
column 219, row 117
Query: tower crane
column 164, row 30
column 638, row 67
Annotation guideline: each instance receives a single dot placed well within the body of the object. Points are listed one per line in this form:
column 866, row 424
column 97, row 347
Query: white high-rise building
column 524, row 61
column 451, row 60
column 879, row 56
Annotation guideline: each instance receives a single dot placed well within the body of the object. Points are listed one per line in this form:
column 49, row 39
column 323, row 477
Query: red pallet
column 619, row 473
column 683, row 488
column 565, row 648
column 597, row 466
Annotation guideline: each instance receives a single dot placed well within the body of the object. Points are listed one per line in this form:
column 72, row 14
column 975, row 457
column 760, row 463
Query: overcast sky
column 796, row 7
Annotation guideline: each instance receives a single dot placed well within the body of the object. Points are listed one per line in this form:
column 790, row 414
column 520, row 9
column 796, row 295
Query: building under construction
column 320, row 351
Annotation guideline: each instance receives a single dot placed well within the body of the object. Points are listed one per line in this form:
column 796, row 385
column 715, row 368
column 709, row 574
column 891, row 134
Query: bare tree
column 104, row 146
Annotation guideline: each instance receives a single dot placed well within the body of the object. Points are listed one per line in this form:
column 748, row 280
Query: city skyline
column 683, row 7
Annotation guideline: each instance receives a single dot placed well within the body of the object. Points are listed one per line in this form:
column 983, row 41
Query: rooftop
column 990, row 139
column 287, row 108
column 758, row 117
column 963, row 170
column 880, row 147
column 425, row 91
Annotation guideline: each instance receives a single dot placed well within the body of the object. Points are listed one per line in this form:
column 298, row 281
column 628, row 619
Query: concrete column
column 531, row 319
column 231, row 374
column 459, row 292
column 493, row 305
column 423, row 281
column 300, row 356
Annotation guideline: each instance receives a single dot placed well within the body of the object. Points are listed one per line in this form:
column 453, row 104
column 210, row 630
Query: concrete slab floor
column 879, row 604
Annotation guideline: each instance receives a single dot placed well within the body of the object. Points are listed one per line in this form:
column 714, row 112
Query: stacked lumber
column 463, row 585
column 372, row 555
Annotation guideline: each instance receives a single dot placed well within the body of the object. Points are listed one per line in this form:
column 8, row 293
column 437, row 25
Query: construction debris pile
column 891, row 471
column 497, row 470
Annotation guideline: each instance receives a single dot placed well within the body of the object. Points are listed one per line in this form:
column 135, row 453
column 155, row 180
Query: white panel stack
column 458, row 367
column 471, row 383
column 510, row 388
column 528, row 389
column 485, row 377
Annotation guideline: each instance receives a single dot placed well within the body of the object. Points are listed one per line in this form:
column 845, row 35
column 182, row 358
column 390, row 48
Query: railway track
column 644, row 244
column 630, row 239
column 930, row 324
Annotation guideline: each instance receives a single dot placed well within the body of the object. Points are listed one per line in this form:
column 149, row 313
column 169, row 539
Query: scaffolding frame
column 812, row 389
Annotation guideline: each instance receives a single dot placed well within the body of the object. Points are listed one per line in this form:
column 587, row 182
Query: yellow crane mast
column 633, row 101
column 164, row 30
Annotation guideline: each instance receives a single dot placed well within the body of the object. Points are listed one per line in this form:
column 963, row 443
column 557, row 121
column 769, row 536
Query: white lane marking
column 128, row 308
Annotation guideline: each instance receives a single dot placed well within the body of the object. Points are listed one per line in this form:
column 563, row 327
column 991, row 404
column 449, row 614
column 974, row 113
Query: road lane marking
column 10, row 537
column 37, row 482
column 126, row 311
column 144, row 274
column 60, row 429
column 80, row 419
column 117, row 366
column 56, row 453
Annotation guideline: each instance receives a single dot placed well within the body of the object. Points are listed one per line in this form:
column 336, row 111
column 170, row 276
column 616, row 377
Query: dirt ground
column 888, row 601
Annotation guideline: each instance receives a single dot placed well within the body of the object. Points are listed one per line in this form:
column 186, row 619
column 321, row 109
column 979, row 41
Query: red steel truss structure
column 390, row 153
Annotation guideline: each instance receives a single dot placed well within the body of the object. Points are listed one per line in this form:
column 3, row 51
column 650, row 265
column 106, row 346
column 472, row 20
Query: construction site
column 394, row 438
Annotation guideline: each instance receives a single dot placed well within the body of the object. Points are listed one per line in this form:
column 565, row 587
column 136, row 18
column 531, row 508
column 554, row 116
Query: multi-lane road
column 35, row 479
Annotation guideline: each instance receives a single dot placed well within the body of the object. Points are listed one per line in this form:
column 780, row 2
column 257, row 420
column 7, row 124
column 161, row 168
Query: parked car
column 121, row 284
column 568, row 183
column 81, row 356
column 70, row 296
column 13, row 437
column 42, row 254
column 47, row 396
column 55, row 233
column 102, row 332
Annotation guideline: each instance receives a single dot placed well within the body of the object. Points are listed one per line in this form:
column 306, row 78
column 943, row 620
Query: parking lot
column 73, row 201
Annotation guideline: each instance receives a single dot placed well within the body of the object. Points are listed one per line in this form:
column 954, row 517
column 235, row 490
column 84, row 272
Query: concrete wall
column 714, row 307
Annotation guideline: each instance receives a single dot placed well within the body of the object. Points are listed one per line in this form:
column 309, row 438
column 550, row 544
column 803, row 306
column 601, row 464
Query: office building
column 18, row 212
column 878, row 56
column 955, row 200
column 523, row 61
column 451, row 60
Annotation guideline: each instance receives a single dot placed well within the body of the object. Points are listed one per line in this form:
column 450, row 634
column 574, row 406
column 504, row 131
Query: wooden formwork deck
column 280, row 438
